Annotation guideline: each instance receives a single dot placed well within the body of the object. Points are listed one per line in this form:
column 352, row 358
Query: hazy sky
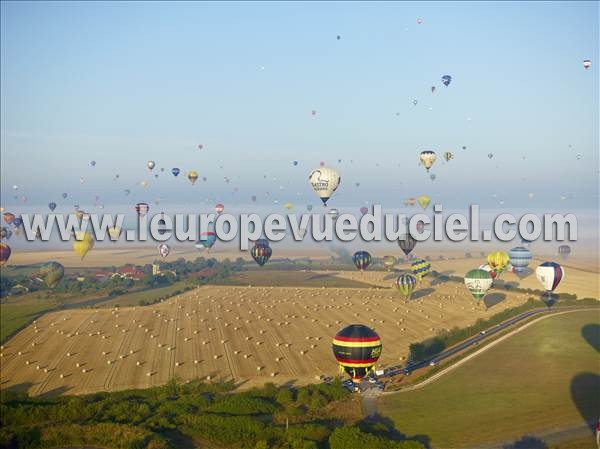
column 125, row 83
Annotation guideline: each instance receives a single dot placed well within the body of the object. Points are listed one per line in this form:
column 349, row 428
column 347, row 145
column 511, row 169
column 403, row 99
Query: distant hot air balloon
column 446, row 79
column 295, row 163
column 424, row 201
column 52, row 273
column 206, row 240
column 114, row 233
column 432, row 89
column 478, row 282
column 427, row 158
column 356, row 349
column 448, row 156
column 405, row 284
column 309, row 207
column 362, row 260
column 499, row 261
column 126, row 192
column 407, row 243
column 219, row 208
column 432, row 176
column 200, row 146
column 93, row 163
column 261, row 252
column 142, row 209
column 163, row 250
column 587, row 63
column 324, row 182
column 253, row 198
column 564, row 251
column 5, row 233
column 549, row 274
column 52, row 206
column 4, row 253
column 84, row 242
column 150, row 165
column 144, row 183
column 288, row 206
column 389, row 262
column 193, row 176
column 419, row 21
column 9, row 218
column 65, row 195
column 333, row 213
column 519, row 259
column 364, row 210
column 490, row 155
column 420, row 268
column 415, row 102
column 17, row 222
column 175, row 171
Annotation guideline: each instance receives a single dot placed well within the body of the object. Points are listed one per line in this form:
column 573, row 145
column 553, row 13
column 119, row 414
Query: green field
column 15, row 316
column 148, row 295
column 544, row 378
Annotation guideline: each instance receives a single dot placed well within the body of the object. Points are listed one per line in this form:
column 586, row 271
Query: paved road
column 476, row 339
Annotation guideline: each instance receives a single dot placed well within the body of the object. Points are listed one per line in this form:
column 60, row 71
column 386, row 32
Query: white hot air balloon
column 324, row 182
column 427, row 158
column 549, row 274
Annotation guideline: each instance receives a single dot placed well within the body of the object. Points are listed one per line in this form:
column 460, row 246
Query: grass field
column 15, row 316
column 543, row 378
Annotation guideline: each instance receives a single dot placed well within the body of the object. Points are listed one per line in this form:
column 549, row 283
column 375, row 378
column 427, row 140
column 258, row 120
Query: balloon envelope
column 324, row 182
column 362, row 260
column 405, row 284
column 549, row 274
column 356, row 349
column 478, row 282
column 52, row 273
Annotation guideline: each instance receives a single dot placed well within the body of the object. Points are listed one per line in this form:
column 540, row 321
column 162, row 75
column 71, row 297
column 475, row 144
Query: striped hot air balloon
column 261, row 253
column 564, row 251
column 362, row 260
column 405, row 284
column 420, row 268
column 407, row 243
column 549, row 274
column 142, row 209
column 206, row 240
column 478, row 282
column 520, row 258
column 357, row 349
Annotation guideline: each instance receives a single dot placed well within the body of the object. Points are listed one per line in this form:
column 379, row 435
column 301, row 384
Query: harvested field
column 251, row 334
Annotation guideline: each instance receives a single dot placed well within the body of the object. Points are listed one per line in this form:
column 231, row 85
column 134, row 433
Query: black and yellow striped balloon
column 356, row 348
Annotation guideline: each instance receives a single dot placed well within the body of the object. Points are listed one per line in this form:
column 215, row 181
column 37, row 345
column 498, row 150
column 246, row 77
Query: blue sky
column 125, row 83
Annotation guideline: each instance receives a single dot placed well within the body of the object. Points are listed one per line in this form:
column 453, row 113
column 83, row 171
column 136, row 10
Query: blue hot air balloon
column 446, row 79
column 361, row 259
column 206, row 240
column 520, row 258
column 175, row 171
column 52, row 206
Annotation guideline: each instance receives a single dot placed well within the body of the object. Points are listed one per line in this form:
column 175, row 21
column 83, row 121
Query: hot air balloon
column 151, row 165
column 15, row 187
column 324, row 182
column 295, row 163
column 478, row 282
column 405, row 284
column 389, row 262
column 446, row 79
column 333, row 213
column 489, row 269
column 499, row 261
column 364, row 210
column 357, row 349
column 564, row 251
column 200, row 146
column 126, row 192
column 490, row 155
column 52, row 206
column 309, row 207
column 448, row 155
column 519, row 259
column 163, row 250
column 253, row 198
column 420, row 268
column 424, row 201
column 65, row 195
column 407, row 243
column 114, row 233
column 587, row 63
column 362, row 260
column 84, row 242
column 52, row 273
column 9, row 218
column 432, row 89
column 549, row 274
column 193, row 176
column 17, row 222
column 427, row 158
column 142, row 209
column 175, row 171
column 5, row 233
column 432, row 176
column 261, row 252
column 288, row 206
column 419, row 21
column 4, row 253
column 206, row 240
column 219, row 208
column 93, row 163
column 409, row 201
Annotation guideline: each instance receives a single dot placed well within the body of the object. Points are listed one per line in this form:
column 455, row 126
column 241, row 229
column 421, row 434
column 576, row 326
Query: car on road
column 432, row 363
column 371, row 380
column 482, row 333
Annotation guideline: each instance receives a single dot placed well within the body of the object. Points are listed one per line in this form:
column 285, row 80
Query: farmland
column 249, row 334
column 497, row 396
